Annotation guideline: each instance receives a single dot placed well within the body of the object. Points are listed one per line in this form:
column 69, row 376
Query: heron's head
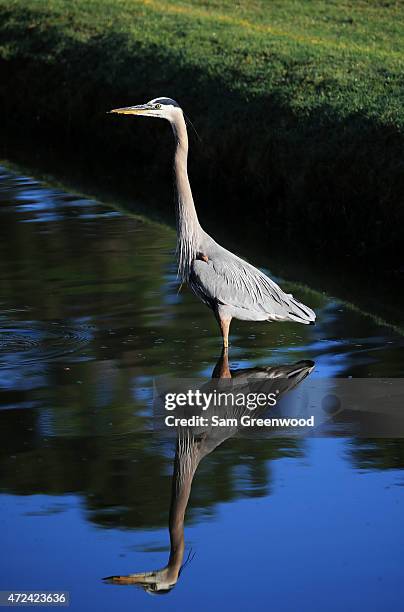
column 159, row 582
column 164, row 108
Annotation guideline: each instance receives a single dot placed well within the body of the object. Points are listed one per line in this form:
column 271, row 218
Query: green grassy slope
column 299, row 103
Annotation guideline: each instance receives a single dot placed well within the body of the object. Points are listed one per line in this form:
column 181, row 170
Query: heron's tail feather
column 299, row 312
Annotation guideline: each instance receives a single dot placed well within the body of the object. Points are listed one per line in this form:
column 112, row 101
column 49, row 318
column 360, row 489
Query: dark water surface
column 89, row 314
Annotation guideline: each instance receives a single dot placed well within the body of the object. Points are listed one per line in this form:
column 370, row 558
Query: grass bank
column 299, row 105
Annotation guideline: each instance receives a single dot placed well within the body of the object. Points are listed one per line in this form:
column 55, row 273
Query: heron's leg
column 224, row 321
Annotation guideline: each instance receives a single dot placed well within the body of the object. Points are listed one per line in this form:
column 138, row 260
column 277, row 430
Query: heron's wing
column 227, row 279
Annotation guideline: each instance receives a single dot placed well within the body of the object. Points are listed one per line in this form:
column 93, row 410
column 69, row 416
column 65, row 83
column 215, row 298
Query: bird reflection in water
column 192, row 445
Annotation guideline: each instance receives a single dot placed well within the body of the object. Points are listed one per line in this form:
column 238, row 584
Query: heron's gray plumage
column 248, row 292
column 229, row 285
column 224, row 279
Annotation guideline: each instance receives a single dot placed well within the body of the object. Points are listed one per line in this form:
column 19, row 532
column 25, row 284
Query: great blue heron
column 230, row 286
column 195, row 443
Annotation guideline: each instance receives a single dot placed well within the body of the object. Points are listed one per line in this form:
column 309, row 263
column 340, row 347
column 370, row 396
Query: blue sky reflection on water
column 90, row 314
column 319, row 541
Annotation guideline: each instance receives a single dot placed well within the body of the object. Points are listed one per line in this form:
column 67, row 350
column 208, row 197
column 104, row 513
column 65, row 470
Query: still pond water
column 90, row 313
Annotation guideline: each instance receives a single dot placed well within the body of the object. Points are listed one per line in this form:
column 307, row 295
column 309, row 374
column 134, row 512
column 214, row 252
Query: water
column 90, row 313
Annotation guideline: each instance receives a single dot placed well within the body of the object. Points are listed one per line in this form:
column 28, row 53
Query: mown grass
column 299, row 104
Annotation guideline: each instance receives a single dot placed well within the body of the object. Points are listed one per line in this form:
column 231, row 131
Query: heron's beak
column 141, row 109
column 143, row 578
column 159, row 579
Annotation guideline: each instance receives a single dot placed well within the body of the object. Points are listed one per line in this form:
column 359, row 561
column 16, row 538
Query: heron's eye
column 158, row 106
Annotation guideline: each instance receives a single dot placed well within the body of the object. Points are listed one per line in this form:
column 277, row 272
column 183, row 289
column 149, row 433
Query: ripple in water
column 27, row 342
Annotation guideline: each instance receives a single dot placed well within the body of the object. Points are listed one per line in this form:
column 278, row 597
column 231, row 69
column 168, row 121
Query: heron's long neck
column 187, row 458
column 188, row 228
